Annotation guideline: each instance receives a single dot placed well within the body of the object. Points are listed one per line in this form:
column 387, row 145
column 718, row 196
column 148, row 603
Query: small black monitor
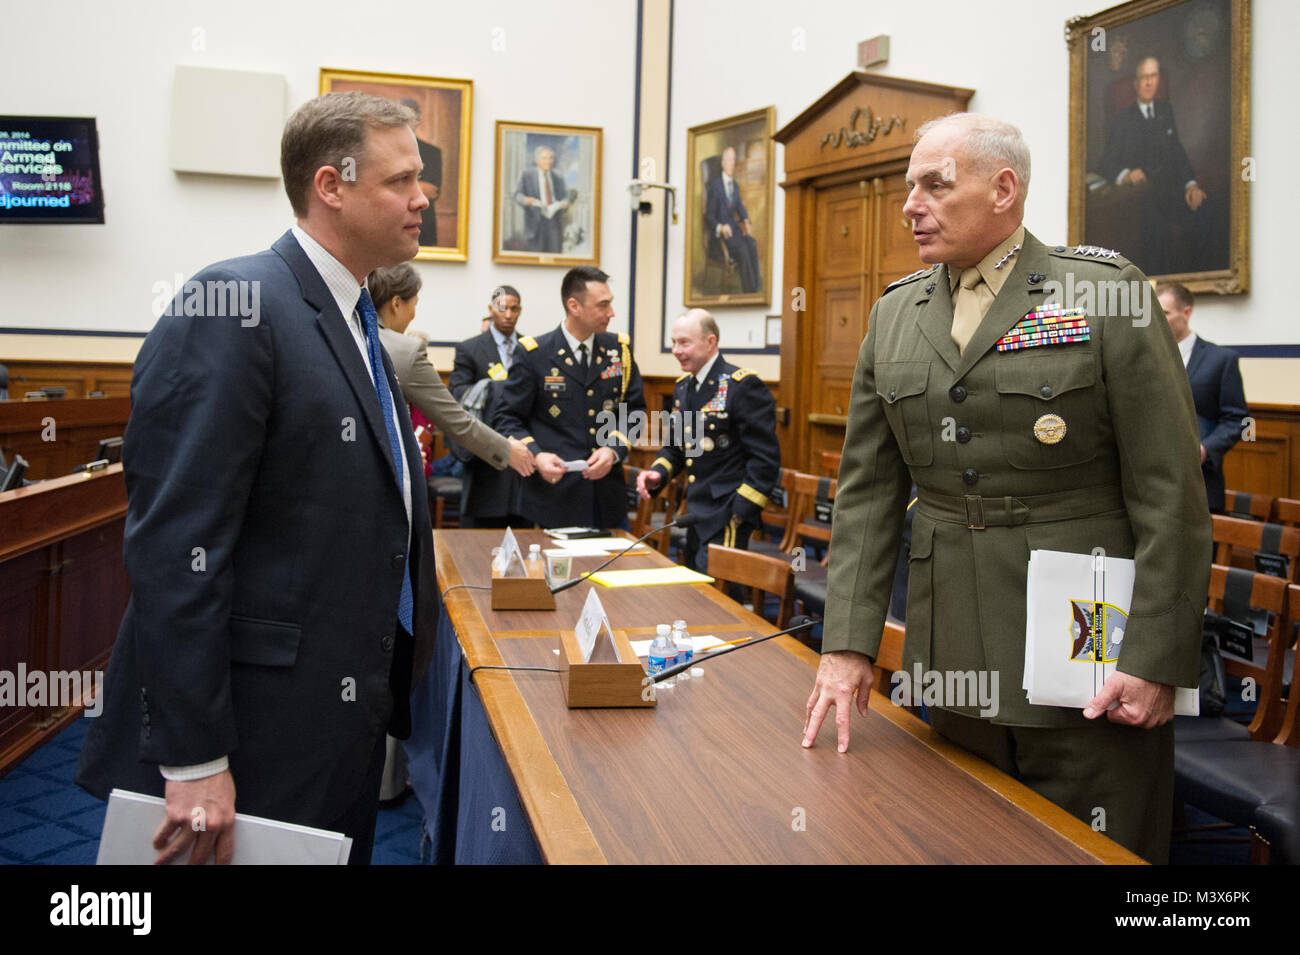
column 14, row 476
column 110, row 450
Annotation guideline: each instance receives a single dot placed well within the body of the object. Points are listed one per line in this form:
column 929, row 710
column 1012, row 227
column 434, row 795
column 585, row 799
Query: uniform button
column 691, row 479
column 963, row 435
column 689, row 462
column 970, row 477
column 591, row 412
column 1045, row 391
column 957, row 393
column 591, row 430
column 386, row 642
column 590, row 392
column 892, row 394
column 398, row 560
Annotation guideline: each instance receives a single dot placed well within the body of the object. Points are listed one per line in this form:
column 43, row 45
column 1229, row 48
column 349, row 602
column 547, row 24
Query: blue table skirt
column 472, row 812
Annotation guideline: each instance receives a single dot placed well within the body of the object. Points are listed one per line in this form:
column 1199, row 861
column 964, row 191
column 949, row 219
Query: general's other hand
column 550, row 466
column 521, row 459
column 646, row 481
column 1194, row 196
column 599, row 464
column 200, row 813
column 1141, row 702
column 840, row 674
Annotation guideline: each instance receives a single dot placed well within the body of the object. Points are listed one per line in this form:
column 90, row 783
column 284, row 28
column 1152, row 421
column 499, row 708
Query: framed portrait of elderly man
column 729, row 210
column 1160, row 165
column 547, row 194
column 443, row 107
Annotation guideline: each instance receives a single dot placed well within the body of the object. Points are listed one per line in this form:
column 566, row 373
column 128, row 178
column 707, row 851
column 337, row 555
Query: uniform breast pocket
column 901, row 386
column 1051, row 409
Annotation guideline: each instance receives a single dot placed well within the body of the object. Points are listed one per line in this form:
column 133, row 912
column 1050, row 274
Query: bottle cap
column 663, row 629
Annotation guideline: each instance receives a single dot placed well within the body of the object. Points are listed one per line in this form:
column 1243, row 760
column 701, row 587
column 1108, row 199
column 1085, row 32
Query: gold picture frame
column 720, row 269
column 526, row 228
column 445, row 107
column 1189, row 220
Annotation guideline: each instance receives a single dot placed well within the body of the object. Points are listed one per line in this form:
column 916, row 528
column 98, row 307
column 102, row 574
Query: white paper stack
column 1076, row 612
column 133, row 818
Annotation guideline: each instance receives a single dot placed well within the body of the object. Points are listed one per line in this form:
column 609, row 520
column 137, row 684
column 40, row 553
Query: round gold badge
column 1050, row 429
column 706, row 444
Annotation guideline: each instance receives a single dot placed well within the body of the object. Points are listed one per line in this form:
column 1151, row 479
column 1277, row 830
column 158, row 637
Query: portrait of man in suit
column 728, row 221
column 544, row 196
column 430, row 179
column 277, row 533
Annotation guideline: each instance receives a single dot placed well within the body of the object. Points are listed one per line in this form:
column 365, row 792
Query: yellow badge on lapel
column 497, row 371
column 1050, row 429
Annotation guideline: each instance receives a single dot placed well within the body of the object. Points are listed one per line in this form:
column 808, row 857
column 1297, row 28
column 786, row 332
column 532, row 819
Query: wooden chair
column 770, row 536
column 1257, row 507
column 1265, row 593
column 807, row 524
column 638, row 511
column 1286, row 510
column 1237, row 540
column 757, row 572
column 831, row 463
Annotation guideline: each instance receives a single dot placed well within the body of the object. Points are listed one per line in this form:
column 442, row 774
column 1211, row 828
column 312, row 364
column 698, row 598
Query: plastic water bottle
column 685, row 649
column 663, row 652
column 534, row 552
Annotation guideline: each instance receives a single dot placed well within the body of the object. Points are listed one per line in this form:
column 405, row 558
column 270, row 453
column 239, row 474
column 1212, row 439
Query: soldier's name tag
column 554, row 384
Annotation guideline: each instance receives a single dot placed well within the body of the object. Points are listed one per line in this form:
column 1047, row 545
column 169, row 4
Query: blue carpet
column 46, row 819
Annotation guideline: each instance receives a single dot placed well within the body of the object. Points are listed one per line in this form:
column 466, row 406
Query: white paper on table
column 593, row 547
column 642, row 647
column 1063, row 597
column 511, row 555
column 133, row 818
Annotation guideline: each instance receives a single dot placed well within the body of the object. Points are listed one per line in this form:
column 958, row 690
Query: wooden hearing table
column 715, row 773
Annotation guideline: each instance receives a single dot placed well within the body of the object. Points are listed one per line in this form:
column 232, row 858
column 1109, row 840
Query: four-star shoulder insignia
column 528, row 342
column 741, row 373
column 908, row 278
column 1092, row 251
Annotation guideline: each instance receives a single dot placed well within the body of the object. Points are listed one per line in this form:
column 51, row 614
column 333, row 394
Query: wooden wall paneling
column 24, row 618
column 78, row 426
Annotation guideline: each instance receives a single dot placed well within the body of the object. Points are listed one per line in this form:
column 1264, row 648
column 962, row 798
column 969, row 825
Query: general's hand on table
column 840, row 674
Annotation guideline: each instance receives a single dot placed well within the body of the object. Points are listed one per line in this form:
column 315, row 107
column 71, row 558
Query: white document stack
column 1076, row 612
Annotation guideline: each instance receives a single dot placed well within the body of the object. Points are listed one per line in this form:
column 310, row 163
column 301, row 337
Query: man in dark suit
column 728, row 222
column 545, row 197
column 491, row 497
column 283, row 594
column 430, row 179
column 727, row 443
column 553, row 395
column 1217, row 391
column 1144, row 155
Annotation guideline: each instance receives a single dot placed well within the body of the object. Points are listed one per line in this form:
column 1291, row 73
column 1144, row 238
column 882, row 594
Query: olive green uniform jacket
column 1125, row 477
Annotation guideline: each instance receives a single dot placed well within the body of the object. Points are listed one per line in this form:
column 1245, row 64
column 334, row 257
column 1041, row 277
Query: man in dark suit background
column 728, row 222
column 1217, row 391
column 430, row 180
column 541, row 189
column 282, row 569
column 1144, row 154
column 491, row 497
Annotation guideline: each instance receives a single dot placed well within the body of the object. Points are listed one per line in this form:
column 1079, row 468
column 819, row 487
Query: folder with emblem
column 1076, row 615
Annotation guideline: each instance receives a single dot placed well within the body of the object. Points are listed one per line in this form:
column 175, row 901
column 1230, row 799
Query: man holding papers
column 1038, row 402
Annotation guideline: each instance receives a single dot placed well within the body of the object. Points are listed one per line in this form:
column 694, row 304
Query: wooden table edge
column 1017, row 793
column 566, row 839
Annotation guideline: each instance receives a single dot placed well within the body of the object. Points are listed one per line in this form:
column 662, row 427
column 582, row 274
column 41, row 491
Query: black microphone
column 685, row 520
column 798, row 623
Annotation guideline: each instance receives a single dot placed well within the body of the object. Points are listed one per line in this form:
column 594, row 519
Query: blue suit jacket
column 1220, row 407
column 717, row 211
column 528, row 187
column 265, row 537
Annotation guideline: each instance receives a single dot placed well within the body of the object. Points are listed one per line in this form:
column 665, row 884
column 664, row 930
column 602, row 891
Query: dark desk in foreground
column 715, row 773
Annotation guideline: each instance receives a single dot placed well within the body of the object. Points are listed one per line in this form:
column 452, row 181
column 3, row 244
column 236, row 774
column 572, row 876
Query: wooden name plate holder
column 609, row 679
column 531, row 592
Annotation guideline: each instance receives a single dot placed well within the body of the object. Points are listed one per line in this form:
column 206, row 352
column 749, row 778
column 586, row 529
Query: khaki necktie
column 969, row 308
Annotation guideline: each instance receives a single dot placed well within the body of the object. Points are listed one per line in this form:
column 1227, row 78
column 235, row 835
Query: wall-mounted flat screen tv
column 49, row 170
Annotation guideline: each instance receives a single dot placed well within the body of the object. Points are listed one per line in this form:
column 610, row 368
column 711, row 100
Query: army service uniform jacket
column 727, row 446
column 551, row 404
column 1065, row 447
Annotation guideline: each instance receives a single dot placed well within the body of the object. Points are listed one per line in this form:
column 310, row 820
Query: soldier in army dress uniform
column 727, row 445
column 1024, row 427
column 551, row 400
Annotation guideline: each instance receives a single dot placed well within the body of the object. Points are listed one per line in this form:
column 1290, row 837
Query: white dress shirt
column 1186, row 345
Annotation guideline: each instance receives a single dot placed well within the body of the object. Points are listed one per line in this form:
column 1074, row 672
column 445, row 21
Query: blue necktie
column 370, row 320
